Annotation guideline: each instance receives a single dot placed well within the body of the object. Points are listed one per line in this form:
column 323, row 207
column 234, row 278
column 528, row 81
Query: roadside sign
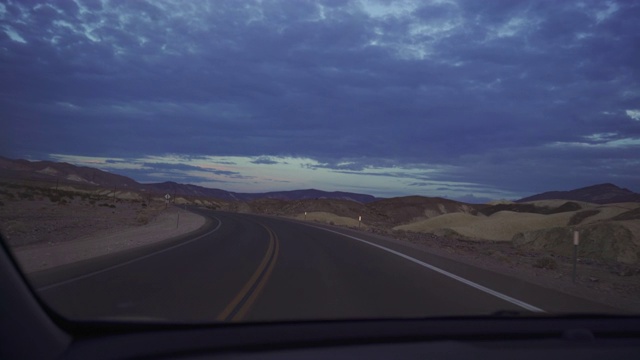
column 576, row 240
column 167, row 196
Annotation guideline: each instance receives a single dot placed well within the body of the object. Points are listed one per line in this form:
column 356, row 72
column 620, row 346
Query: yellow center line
column 258, row 289
column 255, row 282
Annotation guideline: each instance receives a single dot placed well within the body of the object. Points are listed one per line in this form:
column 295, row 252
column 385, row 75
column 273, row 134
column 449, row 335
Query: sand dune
column 441, row 222
column 601, row 237
column 501, row 226
column 609, row 211
column 558, row 203
column 330, row 218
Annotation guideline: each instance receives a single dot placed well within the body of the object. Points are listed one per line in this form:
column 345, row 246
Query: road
column 251, row 268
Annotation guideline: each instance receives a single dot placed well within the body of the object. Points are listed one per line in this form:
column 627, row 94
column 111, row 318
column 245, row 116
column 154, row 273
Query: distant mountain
column 177, row 189
column 64, row 173
column 598, row 194
column 310, row 194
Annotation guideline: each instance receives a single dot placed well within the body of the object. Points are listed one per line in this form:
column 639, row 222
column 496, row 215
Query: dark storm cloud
column 265, row 161
column 350, row 167
column 491, row 89
column 156, row 171
column 184, row 167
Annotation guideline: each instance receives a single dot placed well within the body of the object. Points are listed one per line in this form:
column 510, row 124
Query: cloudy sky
column 465, row 99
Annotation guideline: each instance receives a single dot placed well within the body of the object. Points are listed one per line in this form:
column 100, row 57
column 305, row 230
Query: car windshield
column 258, row 161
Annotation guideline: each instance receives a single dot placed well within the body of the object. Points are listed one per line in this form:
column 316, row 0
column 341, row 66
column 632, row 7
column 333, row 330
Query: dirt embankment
column 607, row 241
column 47, row 228
column 166, row 225
column 500, row 226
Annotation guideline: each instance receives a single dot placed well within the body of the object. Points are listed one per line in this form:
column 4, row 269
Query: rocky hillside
column 616, row 241
column 64, row 173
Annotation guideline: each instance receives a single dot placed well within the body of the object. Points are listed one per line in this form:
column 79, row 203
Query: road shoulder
column 173, row 222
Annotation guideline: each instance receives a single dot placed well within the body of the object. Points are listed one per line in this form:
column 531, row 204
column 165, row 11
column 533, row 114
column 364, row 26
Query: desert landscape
column 49, row 224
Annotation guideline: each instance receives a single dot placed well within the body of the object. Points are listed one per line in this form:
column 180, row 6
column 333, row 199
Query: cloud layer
column 520, row 97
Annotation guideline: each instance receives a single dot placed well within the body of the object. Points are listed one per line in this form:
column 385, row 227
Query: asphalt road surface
column 243, row 267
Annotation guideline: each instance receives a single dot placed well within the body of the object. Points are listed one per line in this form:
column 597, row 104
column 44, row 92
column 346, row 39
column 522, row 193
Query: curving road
column 243, row 267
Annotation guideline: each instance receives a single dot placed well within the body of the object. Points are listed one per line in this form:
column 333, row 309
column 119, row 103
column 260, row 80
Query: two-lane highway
column 198, row 280
column 253, row 268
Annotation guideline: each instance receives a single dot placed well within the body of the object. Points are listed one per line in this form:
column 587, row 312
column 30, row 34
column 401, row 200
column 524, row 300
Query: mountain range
column 64, row 173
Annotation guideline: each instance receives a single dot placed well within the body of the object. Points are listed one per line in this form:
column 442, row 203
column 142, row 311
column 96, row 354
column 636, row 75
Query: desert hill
column 60, row 172
column 598, row 194
column 610, row 230
column 406, row 209
column 532, row 207
column 381, row 213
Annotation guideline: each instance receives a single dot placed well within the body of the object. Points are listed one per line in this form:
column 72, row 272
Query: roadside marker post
column 576, row 241
column 359, row 221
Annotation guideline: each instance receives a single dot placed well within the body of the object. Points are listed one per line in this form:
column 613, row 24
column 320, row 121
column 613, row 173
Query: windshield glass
column 207, row 161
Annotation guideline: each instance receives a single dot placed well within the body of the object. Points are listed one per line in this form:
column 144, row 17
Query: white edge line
column 485, row 289
column 84, row 276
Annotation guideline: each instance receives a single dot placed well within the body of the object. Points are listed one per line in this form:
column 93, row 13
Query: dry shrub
column 142, row 218
column 546, row 263
column 501, row 257
column 15, row 227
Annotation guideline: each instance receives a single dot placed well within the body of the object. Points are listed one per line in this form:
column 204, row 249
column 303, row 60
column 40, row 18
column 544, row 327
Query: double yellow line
column 238, row 308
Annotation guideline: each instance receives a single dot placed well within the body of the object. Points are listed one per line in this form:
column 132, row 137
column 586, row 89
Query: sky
column 464, row 99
